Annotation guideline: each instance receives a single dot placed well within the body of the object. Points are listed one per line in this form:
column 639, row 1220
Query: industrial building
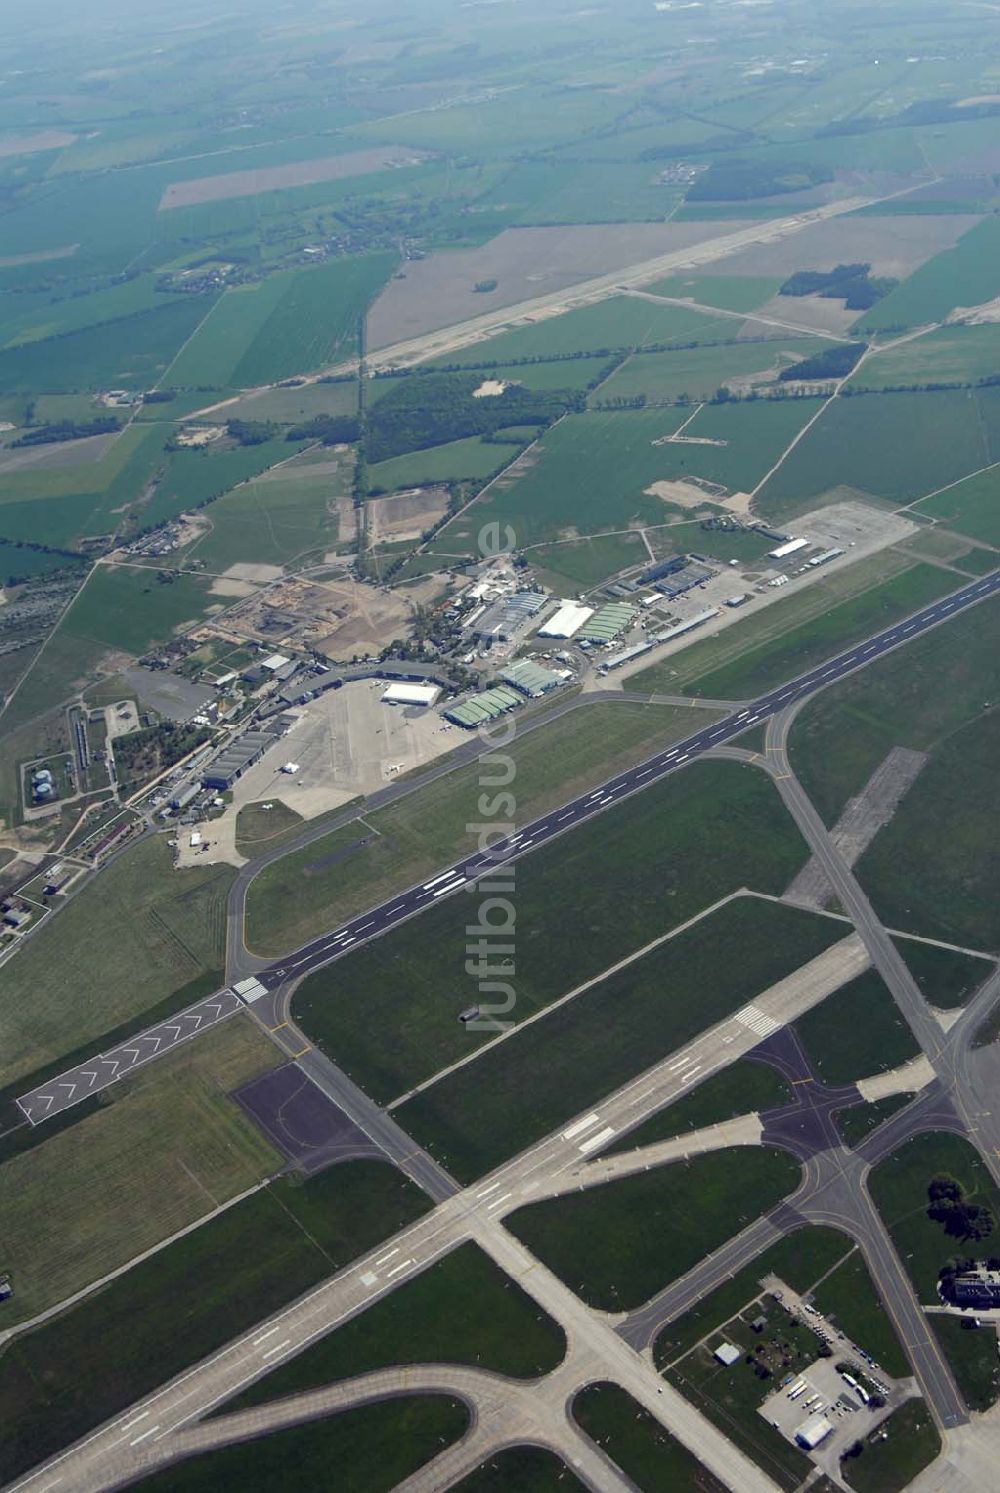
column 626, row 655
column 488, row 705
column 790, row 547
column 979, row 1287
column 607, row 623
column 410, row 694
column 506, row 618
column 685, row 577
column 812, row 1431
column 566, row 621
column 531, row 679
column 236, row 759
column 669, row 633
column 662, row 568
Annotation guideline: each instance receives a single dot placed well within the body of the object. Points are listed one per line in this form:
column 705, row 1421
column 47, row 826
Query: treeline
column 67, row 430
column 851, row 283
column 743, row 180
column 440, row 407
column 832, row 362
column 329, row 430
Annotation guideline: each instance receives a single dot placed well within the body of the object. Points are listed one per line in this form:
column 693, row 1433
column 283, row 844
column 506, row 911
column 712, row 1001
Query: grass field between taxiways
column 841, row 736
column 946, row 977
column 463, row 1310
column 129, row 941
column 804, row 647
column 68, row 1375
column 389, row 1013
column 373, row 1448
column 638, row 1444
column 744, row 1087
column 618, row 1244
column 168, row 1149
column 529, row 1469
column 906, row 1443
column 856, row 1032
column 534, row 1081
column 756, row 647
column 312, row 890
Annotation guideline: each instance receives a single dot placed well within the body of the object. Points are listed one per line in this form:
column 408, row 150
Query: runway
column 78, row 1083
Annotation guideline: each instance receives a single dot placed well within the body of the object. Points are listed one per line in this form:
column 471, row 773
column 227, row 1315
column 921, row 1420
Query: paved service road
column 78, row 1083
column 281, row 974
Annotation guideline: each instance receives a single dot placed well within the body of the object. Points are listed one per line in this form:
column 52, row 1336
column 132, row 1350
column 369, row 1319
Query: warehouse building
column 507, row 618
column 662, row 568
column 566, row 621
column 684, row 578
column 410, row 694
column 812, row 1431
column 531, row 679
column 236, row 759
column 488, row 705
column 607, row 623
column 791, row 547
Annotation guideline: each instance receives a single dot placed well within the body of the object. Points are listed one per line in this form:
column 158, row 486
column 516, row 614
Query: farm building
column 566, row 621
column 410, row 694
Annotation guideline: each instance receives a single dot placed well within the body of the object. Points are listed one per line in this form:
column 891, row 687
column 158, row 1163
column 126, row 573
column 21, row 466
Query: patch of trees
column 948, row 1205
column 330, row 430
column 251, row 432
column 67, row 430
column 142, row 754
column 483, row 287
column 832, row 362
column 159, row 396
column 851, row 283
column 743, row 180
column 431, row 410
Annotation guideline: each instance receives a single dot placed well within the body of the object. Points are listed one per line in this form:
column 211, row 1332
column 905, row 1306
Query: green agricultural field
column 946, row 977
column 618, row 1244
column 373, row 1449
column 463, row 1310
column 553, row 191
column 196, row 477
column 858, row 1121
column 529, row 1469
column 905, row 1444
column 470, row 459
column 120, row 609
column 57, row 316
column 292, row 322
column 133, row 353
column 971, row 506
column 727, row 292
column 352, row 868
column 841, row 737
column 500, row 126
column 953, row 355
column 277, row 519
column 742, row 1088
column 585, row 901
column 505, row 1099
column 638, row 1444
column 933, row 869
column 856, row 1032
column 967, row 275
column 75, row 1371
column 756, row 669
column 578, row 564
column 888, row 445
column 899, row 1188
column 620, row 322
column 697, row 373
column 76, row 981
column 588, row 473
column 295, row 402
column 167, row 1149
